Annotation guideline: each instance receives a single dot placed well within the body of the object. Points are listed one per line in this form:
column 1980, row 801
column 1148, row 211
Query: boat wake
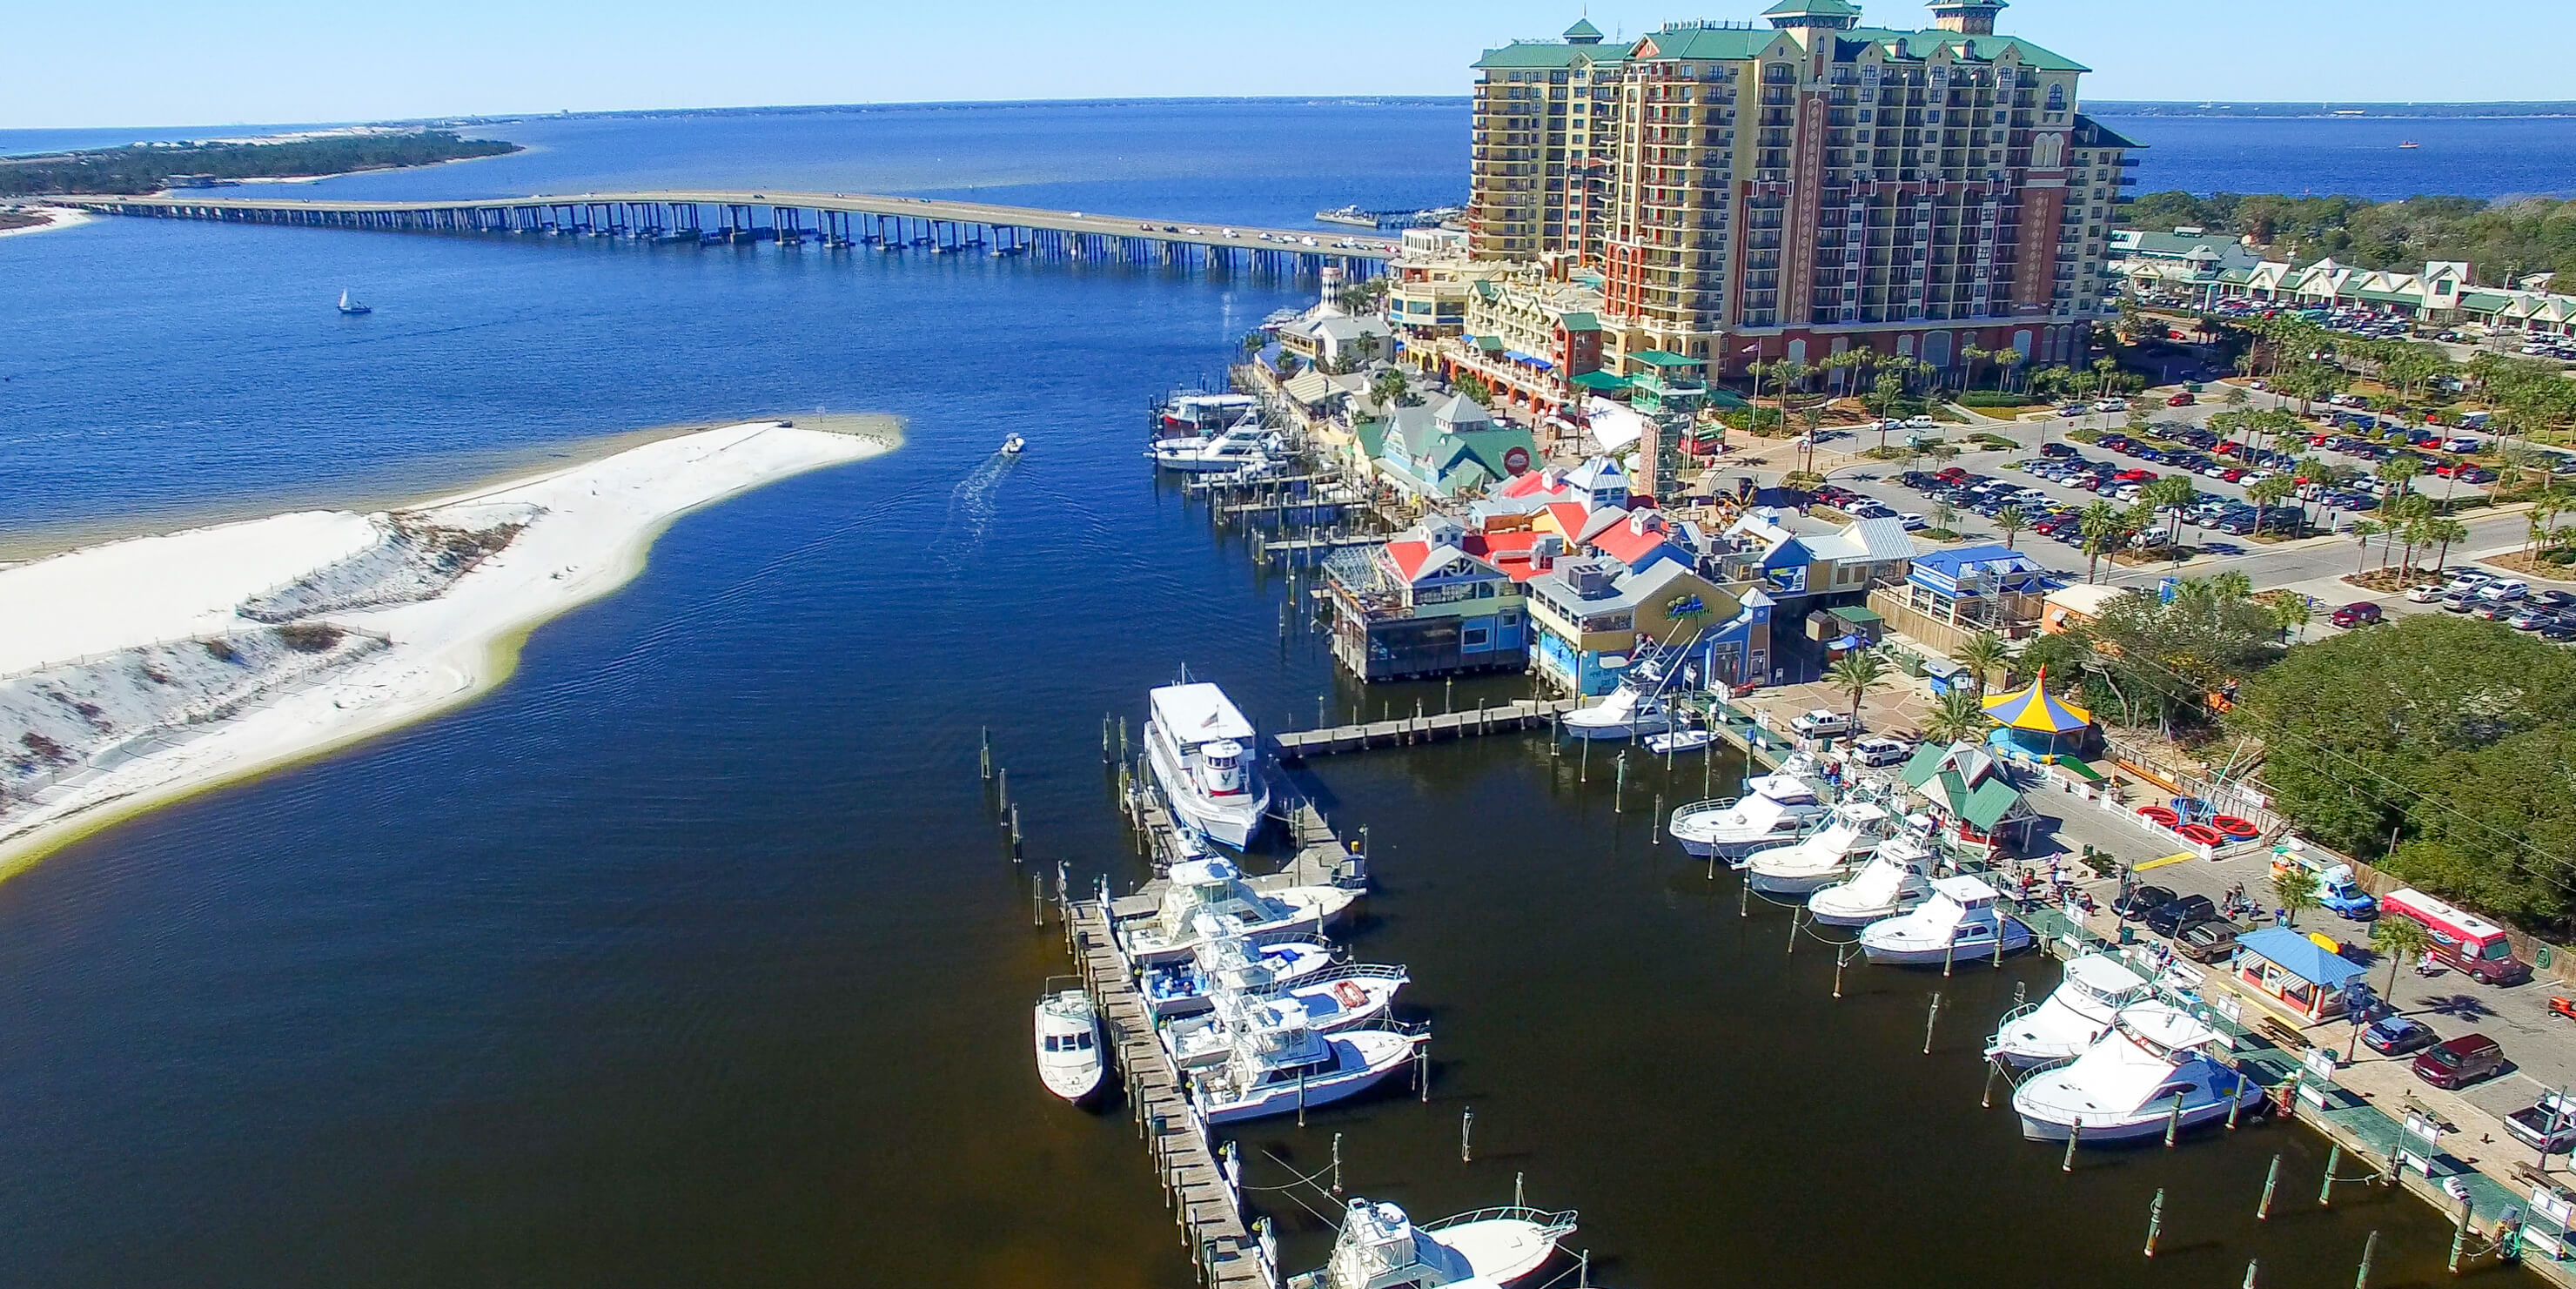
column 970, row 510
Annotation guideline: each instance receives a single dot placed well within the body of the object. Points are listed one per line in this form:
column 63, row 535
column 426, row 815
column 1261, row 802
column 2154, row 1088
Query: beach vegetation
column 151, row 167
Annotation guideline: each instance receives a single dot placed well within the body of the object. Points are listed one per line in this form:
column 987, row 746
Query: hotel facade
column 1801, row 188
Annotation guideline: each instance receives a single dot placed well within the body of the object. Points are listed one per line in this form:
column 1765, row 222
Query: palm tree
column 2173, row 492
column 1957, row 718
column 2397, row 938
column 2105, row 368
column 2362, row 531
column 2290, row 611
column 1943, row 515
column 1984, row 654
column 2296, row 888
column 1854, row 673
column 2268, row 493
column 2101, row 525
column 2006, row 359
column 1969, row 356
column 2396, row 471
column 2011, row 522
column 2443, row 532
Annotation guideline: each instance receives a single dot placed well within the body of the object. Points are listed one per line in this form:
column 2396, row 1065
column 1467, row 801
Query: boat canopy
column 1198, row 713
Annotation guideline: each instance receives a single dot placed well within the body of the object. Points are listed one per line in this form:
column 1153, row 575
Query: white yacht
column 1013, row 445
column 1897, row 877
column 1344, row 998
column 1200, row 748
column 1272, row 1068
column 1243, row 443
column 2058, row 1028
column 1206, row 900
column 1623, row 714
column 1775, row 808
column 1201, row 415
column 1230, row 962
column 1686, row 740
column 1380, row 1248
column 1070, row 1046
column 2126, row 1084
column 1959, row 923
column 1823, row 856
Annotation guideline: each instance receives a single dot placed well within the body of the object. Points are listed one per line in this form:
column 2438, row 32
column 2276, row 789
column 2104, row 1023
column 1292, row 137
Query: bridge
column 831, row 220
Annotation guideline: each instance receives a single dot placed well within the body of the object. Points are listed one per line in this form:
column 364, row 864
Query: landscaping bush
column 1996, row 398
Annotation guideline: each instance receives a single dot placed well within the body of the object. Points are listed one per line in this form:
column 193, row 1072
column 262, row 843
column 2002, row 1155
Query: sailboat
column 351, row 306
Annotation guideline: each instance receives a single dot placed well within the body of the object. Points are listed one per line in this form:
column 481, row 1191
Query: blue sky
column 213, row 62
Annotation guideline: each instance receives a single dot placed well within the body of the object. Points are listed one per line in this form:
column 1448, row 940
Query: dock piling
column 1930, row 1020
column 2249, row 1273
column 2369, row 1252
column 2325, row 1192
column 1655, row 824
column 2271, row 1180
column 1794, row 911
column 2155, row 1220
column 1466, row 1135
column 1841, row 956
column 1337, row 1163
column 1619, row 786
column 2459, row 1236
column 1987, row 1100
column 985, row 753
column 1104, row 738
column 2074, row 1130
column 1037, row 900
column 2173, row 1122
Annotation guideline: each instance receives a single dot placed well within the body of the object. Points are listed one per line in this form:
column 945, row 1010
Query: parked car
column 2398, row 1035
column 1820, row 723
column 2112, row 405
column 2139, row 899
column 2208, row 940
column 2181, row 399
column 2548, row 1124
column 2459, row 1062
column 2171, row 917
column 1882, row 750
column 1921, row 423
column 2507, row 970
column 2504, row 588
column 2359, row 613
column 2427, row 593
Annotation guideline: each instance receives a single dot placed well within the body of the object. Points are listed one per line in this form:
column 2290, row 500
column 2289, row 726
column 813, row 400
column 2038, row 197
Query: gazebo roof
column 2033, row 709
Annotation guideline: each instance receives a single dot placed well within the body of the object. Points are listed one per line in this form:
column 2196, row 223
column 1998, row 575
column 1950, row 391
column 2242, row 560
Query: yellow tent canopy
column 2032, row 709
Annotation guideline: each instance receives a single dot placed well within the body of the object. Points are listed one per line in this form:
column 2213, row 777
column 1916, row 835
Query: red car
column 2356, row 614
column 2183, row 399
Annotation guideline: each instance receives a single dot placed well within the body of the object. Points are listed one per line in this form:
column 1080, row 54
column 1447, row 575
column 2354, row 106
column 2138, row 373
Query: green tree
column 1984, row 655
column 2296, row 889
column 2011, row 522
column 2269, row 493
column 1853, row 674
column 1957, row 718
column 2397, row 939
column 2103, row 527
column 2362, row 531
column 2169, row 493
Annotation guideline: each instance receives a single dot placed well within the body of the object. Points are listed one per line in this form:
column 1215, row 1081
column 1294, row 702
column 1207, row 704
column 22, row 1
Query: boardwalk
column 1195, row 1184
column 1518, row 715
column 794, row 218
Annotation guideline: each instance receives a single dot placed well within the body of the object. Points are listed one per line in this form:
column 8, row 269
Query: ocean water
column 694, row 955
column 2359, row 157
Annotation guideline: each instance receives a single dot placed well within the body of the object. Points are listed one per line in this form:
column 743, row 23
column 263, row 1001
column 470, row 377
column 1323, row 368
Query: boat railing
column 1556, row 1223
column 1344, row 971
column 1417, row 1030
column 1711, row 803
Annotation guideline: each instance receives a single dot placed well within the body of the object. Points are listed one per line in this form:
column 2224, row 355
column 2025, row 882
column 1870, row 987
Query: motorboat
column 1070, row 1046
column 1379, row 1247
column 1824, row 856
column 1236, row 447
column 1344, row 998
column 1354, row 216
column 1959, row 923
column 350, row 306
column 1012, row 445
column 1775, row 807
column 1201, row 415
column 2075, row 1015
column 1205, row 900
column 1689, row 740
column 1897, row 877
column 2128, row 1083
column 1271, row 1068
column 1200, row 748
column 1230, row 962
column 1626, row 713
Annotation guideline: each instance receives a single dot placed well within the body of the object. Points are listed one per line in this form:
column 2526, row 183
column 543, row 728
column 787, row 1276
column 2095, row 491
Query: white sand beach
column 52, row 217
column 140, row 671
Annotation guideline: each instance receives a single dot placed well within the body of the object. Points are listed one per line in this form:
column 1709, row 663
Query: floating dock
column 1521, row 714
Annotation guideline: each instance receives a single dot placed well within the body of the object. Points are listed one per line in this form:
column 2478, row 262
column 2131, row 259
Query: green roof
column 1989, row 804
column 1582, row 30
column 1549, row 54
column 2090, row 133
column 1813, row 9
column 1661, row 358
column 1601, row 381
column 2389, row 297
column 1581, row 322
column 1487, row 342
column 1981, row 49
column 1707, row 44
column 2483, row 300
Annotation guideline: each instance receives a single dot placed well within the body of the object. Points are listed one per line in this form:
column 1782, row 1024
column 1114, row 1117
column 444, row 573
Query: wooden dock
column 1199, row 1188
column 1520, row 714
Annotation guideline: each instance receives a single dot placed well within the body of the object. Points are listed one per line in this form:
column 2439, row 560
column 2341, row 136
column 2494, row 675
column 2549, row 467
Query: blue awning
column 1529, row 359
column 2300, row 956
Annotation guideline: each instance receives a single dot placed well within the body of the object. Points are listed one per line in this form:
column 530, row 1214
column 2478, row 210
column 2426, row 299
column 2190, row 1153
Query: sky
column 221, row 62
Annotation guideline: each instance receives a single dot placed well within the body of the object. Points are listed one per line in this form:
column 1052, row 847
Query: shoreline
column 589, row 529
column 55, row 217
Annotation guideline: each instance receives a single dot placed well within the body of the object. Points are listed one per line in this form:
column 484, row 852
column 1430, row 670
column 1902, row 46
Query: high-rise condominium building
column 1803, row 187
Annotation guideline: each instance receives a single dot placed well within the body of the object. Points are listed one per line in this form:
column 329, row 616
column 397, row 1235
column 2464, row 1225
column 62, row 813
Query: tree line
column 145, row 168
column 2505, row 239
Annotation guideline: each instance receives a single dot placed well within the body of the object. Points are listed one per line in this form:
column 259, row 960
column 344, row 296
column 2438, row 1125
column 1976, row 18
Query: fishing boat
column 349, row 305
column 2409, row 143
column 1686, row 740
column 1344, row 998
column 1230, row 960
column 1897, row 877
column 1826, row 855
column 1627, row 712
column 1012, row 445
column 1268, row 1069
column 1379, row 1247
column 1959, row 923
column 1351, row 216
column 1200, row 748
column 1198, row 415
column 2074, row 1016
column 1069, row 1043
column 1777, row 806
column 1207, row 899
column 2152, row 1069
column 1239, row 445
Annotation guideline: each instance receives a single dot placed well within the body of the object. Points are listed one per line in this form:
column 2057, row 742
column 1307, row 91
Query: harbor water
column 694, row 955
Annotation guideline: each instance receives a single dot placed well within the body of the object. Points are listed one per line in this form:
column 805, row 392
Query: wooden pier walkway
column 1520, row 714
column 1195, row 1184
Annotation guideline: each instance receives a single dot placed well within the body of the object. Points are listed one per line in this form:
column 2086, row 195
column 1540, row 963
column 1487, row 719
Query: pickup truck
column 2549, row 1125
